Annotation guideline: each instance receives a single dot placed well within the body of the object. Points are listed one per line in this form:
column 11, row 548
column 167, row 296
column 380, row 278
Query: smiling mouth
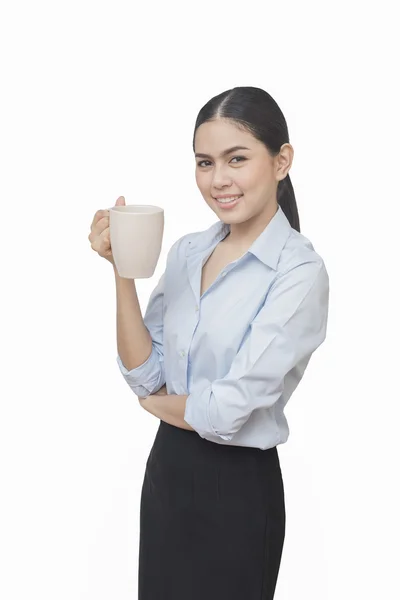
column 229, row 201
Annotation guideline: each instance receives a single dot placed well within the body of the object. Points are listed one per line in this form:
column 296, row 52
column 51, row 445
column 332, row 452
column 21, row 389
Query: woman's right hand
column 99, row 236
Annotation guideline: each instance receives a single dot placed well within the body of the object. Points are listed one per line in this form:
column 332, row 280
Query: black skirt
column 212, row 520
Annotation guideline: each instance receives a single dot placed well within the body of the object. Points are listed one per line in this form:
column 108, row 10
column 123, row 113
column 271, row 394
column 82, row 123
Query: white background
column 99, row 99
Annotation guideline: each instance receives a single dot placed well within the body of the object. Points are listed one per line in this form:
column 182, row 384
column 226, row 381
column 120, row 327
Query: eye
column 207, row 161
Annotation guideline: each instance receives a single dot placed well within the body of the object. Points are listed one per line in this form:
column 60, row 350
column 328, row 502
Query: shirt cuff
column 144, row 379
column 197, row 414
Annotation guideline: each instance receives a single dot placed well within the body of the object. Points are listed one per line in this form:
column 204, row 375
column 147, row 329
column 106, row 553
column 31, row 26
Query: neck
column 242, row 235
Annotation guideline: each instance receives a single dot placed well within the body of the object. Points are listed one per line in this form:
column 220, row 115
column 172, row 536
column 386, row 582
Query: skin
column 254, row 173
column 169, row 408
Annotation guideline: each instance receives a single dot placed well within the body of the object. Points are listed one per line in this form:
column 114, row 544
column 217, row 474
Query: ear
column 284, row 161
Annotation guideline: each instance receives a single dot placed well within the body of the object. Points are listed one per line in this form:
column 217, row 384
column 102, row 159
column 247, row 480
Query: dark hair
column 255, row 111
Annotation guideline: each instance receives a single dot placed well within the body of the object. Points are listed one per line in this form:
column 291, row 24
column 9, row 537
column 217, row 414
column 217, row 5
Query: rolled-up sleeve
column 149, row 377
column 288, row 328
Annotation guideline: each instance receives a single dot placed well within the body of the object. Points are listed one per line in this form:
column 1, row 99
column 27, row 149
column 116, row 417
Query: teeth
column 226, row 200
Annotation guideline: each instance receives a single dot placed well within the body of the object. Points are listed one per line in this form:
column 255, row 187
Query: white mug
column 136, row 234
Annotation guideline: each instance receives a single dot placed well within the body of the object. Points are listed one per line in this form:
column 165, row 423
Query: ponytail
column 287, row 201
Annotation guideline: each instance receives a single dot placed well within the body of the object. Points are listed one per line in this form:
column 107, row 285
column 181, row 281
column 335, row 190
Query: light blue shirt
column 240, row 350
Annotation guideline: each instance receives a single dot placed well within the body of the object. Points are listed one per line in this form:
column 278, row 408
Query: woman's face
column 251, row 172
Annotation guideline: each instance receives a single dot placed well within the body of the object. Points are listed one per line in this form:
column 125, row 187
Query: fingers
column 98, row 228
column 101, row 242
column 99, row 214
column 101, row 225
column 99, row 236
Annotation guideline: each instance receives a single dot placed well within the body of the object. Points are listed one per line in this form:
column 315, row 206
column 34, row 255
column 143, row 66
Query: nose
column 221, row 178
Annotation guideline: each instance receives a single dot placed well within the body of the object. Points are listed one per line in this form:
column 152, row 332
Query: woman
column 228, row 332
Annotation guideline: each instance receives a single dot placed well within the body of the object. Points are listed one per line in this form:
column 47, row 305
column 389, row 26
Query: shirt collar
column 267, row 247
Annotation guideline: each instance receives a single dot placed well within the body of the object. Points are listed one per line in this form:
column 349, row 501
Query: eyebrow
column 224, row 153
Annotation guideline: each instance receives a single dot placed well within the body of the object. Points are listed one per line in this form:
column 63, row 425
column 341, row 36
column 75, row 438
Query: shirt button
column 182, row 353
column 197, row 308
column 223, row 273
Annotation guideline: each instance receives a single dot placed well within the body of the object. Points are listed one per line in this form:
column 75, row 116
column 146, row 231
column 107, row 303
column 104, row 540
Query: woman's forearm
column 168, row 407
column 134, row 342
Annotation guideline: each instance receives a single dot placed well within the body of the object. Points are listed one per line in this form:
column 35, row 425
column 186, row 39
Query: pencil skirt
column 212, row 520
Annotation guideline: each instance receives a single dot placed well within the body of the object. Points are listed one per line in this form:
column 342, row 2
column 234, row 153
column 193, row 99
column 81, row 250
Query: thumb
column 120, row 201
